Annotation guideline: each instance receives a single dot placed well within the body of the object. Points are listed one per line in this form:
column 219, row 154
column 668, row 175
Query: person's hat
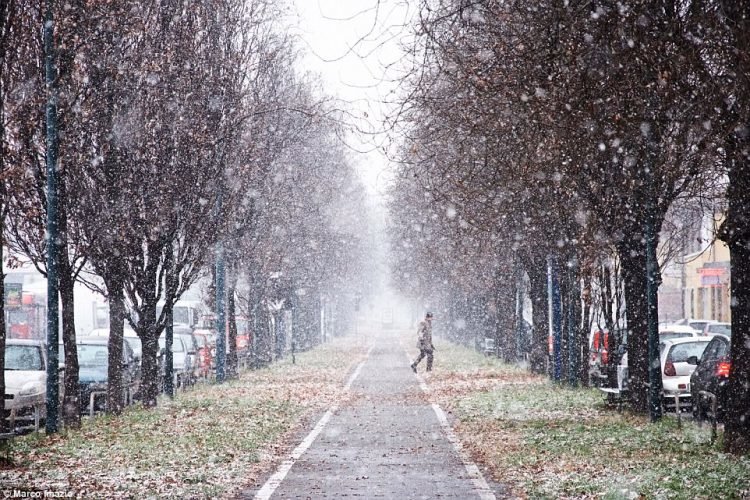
column 428, row 315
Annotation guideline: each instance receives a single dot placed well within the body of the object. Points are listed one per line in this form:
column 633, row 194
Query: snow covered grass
column 544, row 441
column 208, row 442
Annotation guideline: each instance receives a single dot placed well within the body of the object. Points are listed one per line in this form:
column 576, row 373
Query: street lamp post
column 53, row 377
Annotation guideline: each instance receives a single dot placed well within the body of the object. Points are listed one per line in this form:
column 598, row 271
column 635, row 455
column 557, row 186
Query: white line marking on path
column 275, row 480
column 480, row 485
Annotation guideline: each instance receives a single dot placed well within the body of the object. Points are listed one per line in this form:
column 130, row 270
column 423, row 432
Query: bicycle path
column 386, row 441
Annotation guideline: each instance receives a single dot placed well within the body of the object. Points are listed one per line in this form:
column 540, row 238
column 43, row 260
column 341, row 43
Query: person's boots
column 414, row 368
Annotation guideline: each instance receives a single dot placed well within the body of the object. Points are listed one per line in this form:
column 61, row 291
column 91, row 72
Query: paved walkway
column 387, row 441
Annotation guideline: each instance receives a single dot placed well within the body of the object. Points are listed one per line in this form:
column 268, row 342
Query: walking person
column 424, row 342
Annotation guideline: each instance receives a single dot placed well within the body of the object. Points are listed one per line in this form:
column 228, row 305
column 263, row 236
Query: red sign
column 712, row 271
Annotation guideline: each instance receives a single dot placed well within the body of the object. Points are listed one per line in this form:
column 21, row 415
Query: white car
column 670, row 332
column 25, row 382
column 712, row 329
column 676, row 370
column 694, row 323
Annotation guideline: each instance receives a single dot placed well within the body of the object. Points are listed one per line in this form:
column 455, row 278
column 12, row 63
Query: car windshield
column 92, row 354
column 23, row 357
column 722, row 329
column 681, row 352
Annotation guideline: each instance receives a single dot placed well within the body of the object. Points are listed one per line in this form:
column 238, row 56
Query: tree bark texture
column 736, row 233
column 232, row 365
column 71, row 399
column 3, row 326
column 633, row 258
column 115, row 388
column 540, row 316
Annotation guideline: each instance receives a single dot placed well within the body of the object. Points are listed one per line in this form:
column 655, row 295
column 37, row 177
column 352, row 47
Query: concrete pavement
column 386, row 441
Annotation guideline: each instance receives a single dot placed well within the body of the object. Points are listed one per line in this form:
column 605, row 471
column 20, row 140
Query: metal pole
column 53, row 318
column 652, row 288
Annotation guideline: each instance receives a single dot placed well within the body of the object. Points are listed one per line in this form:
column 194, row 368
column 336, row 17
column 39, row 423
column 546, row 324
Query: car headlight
column 30, row 389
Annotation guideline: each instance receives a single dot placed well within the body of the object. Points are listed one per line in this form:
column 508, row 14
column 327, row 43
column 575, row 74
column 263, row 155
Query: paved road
column 387, row 441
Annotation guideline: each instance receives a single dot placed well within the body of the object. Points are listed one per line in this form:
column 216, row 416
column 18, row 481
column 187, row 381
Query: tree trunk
column 71, row 399
column 4, row 30
column 577, row 338
column 586, row 318
column 607, row 297
column 537, row 272
column 232, row 370
column 506, row 311
column 737, row 424
column 633, row 258
column 254, row 319
column 71, row 405
column 736, row 233
column 149, row 367
column 565, row 344
column 3, row 422
column 263, row 330
column 115, row 388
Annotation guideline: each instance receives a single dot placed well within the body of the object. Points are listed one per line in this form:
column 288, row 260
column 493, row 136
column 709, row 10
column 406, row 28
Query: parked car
column 695, row 324
column 711, row 375
column 622, row 374
column 714, row 328
column 192, row 363
column 676, row 370
column 605, row 353
column 93, row 372
column 205, row 356
column 25, row 382
column 180, row 361
column 670, row 332
column 210, row 336
column 104, row 332
column 136, row 346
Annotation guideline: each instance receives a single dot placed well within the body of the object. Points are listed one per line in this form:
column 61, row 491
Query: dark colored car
column 711, row 375
column 93, row 372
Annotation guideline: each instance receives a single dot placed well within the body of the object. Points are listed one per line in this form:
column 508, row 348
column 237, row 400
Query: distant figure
column 424, row 342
